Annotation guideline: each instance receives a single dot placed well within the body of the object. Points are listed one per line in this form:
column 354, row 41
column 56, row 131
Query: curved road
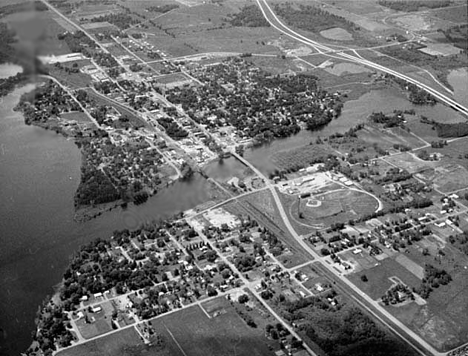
column 275, row 22
column 406, row 334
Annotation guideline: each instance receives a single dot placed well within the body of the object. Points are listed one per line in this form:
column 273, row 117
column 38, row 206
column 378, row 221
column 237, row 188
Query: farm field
column 453, row 14
column 190, row 332
column 299, row 157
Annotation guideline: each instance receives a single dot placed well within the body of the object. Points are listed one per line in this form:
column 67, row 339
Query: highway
column 372, row 306
column 276, row 23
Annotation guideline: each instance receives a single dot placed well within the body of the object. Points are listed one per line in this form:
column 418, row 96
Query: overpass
column 276, row 23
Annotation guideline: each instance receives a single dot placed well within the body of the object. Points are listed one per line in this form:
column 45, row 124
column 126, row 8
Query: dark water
column 353, row 113
column 39, row 173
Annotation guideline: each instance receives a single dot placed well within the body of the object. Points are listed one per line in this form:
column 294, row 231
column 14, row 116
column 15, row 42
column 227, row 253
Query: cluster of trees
column 249, row 16
column 397, row 119
column 311, row 18
column 52, row 325
column 397, row 294
column 395, row 175
column 413, row 5
column 77, row 41
column 105, row 59
column 255, row 99
column 172, row 128
column 433, row 278
column 426, row 156
column 457, row 35
column 352, row 333
column 460, row 241
column 122, row 21
column 458, row 129
column 95, row 187
column 163, row 8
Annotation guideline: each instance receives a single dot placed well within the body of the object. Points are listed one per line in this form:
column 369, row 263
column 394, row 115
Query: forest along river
column 39, row 174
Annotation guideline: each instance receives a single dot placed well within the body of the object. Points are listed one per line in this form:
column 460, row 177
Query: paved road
column 275, row 22
column 389, row 320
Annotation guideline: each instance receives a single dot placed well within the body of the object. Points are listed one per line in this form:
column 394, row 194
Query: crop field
column 378, row 278
column 449, row 178
column 190, row 332
column 410, row 162
column 111, row 345
column 453, row 14
column 337, row 34
column 341, row 69
column 300, row 157
column 454, row 152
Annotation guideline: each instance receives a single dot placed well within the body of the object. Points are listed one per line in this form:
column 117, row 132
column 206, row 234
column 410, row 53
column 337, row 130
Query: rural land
column 355, row 244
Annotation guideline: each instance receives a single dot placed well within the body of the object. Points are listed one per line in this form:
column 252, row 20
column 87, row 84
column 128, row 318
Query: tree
column 244, row 298
column 364, row 278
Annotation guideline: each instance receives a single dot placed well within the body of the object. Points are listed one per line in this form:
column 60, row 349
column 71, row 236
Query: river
column 39, row 173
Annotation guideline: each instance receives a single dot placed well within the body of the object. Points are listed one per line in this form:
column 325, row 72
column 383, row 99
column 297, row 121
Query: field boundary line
column 173, row 338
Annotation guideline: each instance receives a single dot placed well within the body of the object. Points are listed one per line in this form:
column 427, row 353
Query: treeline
column 413, row 5
column 311, row 18
column 457, row 36
column 249, row 16
column 388, row 121
column 172, row 128
column 417, row 95
column 433, row 278
column 459, row 129
column 22, row 7
column 163, row 8
column 122, row 21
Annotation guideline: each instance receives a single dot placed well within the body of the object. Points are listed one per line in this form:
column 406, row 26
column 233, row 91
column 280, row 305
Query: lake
column 39, row 173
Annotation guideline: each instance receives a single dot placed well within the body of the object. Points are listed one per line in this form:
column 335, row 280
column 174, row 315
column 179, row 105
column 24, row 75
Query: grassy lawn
column 378, row 278
column 111, row 345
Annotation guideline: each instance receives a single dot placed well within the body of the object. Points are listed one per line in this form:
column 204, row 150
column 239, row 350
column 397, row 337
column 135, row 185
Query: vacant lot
column 190, row 332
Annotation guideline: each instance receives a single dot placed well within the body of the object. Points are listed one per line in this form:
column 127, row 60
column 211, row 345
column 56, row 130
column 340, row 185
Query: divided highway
column 276, row 23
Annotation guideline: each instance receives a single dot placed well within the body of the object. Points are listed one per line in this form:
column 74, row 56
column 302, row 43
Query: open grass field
column 72, row 80
column 76, row 115
column 337, row 206
column 117, row 344
column 454, row 152
column 378, row 278
column 454, row 14
column 450, row 177
column 190, row 332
